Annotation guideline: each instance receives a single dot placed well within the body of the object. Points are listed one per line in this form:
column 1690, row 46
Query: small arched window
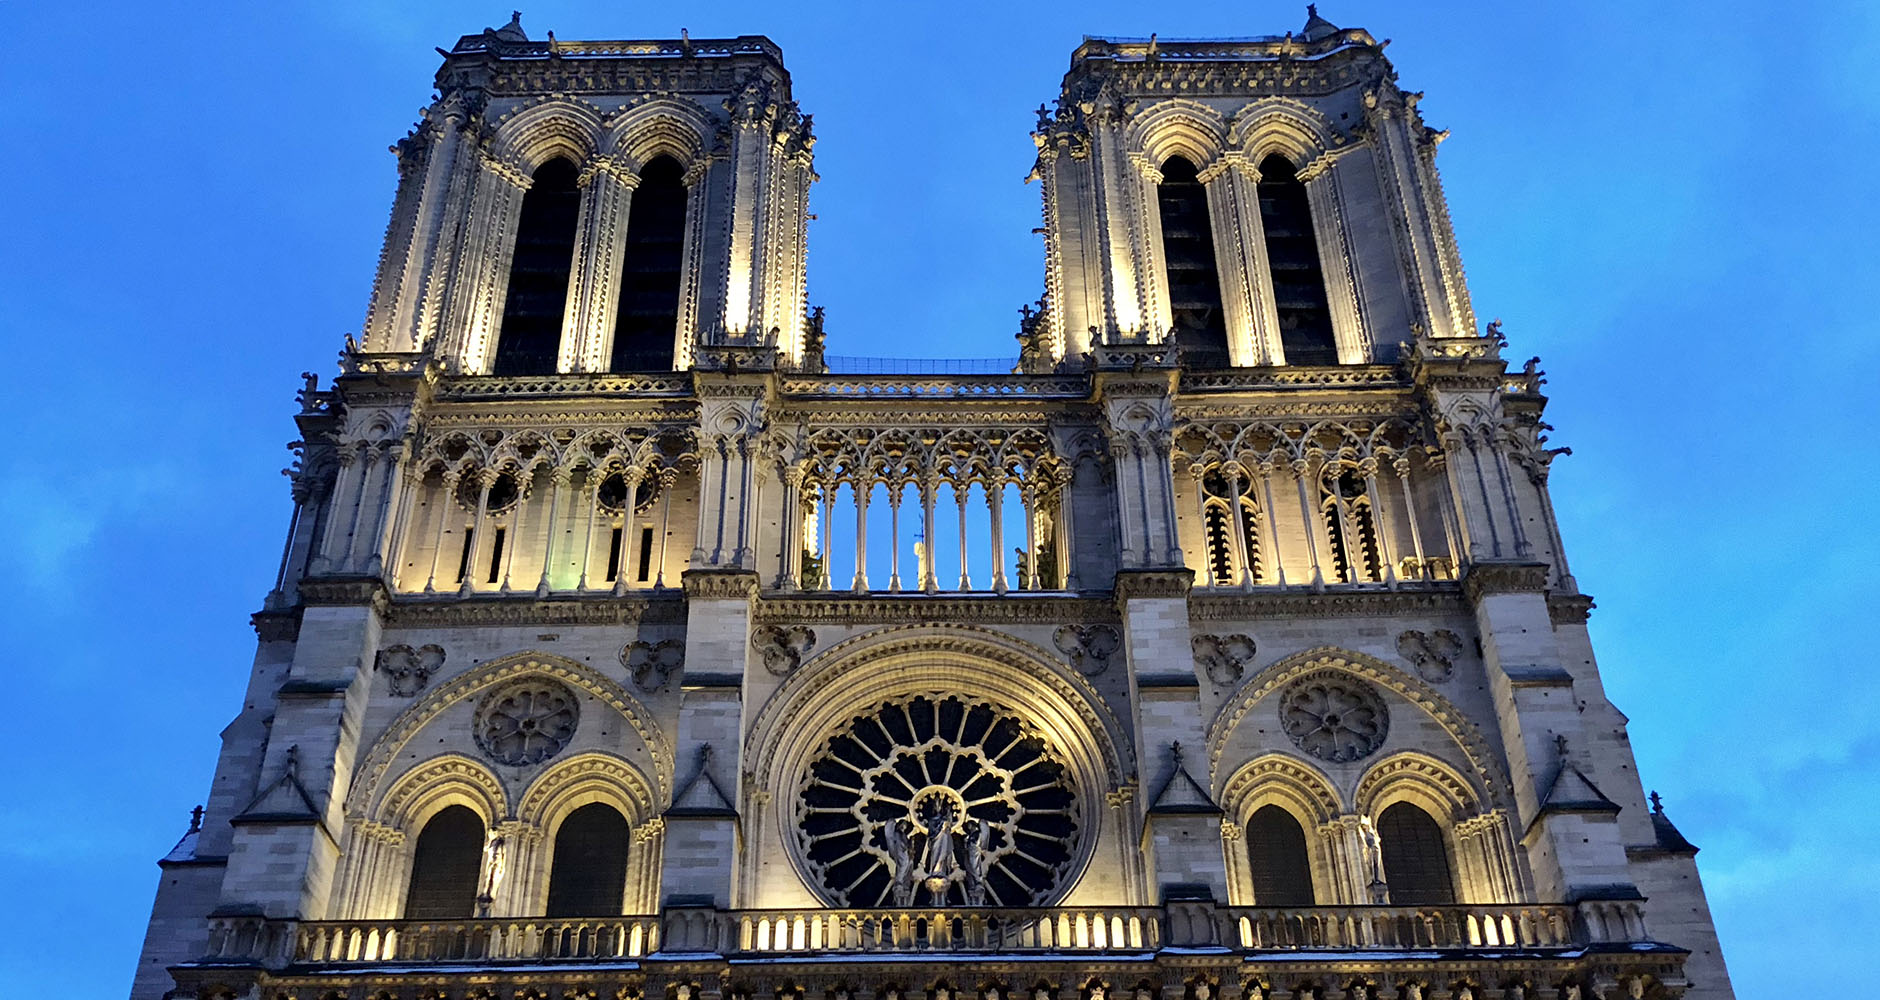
column 589, row 874
column 1416, row 859
column 1276, row 851
column 445, row 867
column 1350, row 525
column 1292, row 253
column 529, row 342
column 647, row 321
column 1197, row 325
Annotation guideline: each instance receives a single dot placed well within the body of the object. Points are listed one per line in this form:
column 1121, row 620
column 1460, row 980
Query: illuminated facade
column 1224, row 648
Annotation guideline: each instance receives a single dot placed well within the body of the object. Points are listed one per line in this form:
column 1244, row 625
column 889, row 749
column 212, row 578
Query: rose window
column 1334, row 717
column 938, row 801
column 526, row 722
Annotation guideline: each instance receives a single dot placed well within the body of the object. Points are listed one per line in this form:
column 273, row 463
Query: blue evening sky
column 1671, row 203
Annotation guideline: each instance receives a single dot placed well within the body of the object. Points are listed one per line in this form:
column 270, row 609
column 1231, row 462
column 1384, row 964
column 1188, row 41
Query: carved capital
column 1134, row 583
column 719, row 584
column 1484, row 579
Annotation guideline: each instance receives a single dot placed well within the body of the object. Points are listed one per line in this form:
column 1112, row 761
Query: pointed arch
column 432, row 785
column 659, row 126
column 553, row 126
column 1490, row 781
column 1414, row 776
column 1180, row 127
column 371, row 777
column 1283, row 126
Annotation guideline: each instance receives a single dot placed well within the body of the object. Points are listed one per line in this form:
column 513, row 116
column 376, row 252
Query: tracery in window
column 529, row 341
column 1350, row 525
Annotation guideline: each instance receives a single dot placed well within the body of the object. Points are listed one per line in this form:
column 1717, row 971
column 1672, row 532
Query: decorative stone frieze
column 1485, row 578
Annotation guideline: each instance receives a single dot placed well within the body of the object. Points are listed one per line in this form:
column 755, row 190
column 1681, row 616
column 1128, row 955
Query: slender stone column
column 632, row 477
column 447, row 497
column 1498, row 445
column 1342, row 290
column 594, row 286
column 1380, row 526
column 929, row 486
column 485, row 479
column 1301, row 468
column 667, row 479
column 1234, row 480
column 591, row 491
column 339, row 510
column 1065, row 477
column 790, row 558
column 558, row 481
column 1028, row 497
column 1401, row 466
column 826, row 493
column 525, row 479
column 1198, row 474
column 894, row 536
column 960, row 493
column 863, row 492
column 995, row 506
column 389, row 559
column 1266, row 494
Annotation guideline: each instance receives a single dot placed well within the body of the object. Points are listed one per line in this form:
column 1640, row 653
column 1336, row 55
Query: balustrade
column 886, row 931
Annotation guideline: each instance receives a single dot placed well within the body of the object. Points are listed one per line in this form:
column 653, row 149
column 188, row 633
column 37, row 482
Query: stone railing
column 938, row 386
column 815, row 933
column 491, row 387
column 1397, row 927
column 1092, row 929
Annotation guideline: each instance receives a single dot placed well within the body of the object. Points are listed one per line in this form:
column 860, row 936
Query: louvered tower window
column 1416, row 860
column 445, row 867
column 1197, row 324
column 1350, row 526
column 1276, row 850
column 530, row 338
column 1292, row 251
column 589, row 875
column 648, row 318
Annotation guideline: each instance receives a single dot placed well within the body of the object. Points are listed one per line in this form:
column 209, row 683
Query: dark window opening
column 445, row 867
column 1292, row 253
column 496, row 553
column 1276, row 845
column 645, row 572
column 1220, row 533
column 613, row 556
column 530, row 338
column 1353, row 536
column 463, row 561
column 1416, row 860
column 589, row 874
column 1198, row 326
column 648, row 317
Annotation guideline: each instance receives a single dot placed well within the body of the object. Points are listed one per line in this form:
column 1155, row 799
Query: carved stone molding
column 526, row 721
column 1089, row 647
column 782, row 649
column 344, row 591
column 1570, row 609
column 1224, row 658
column 1334, row 716
column 1013, row 608
column 409, row 669
column 483, row 610
column 276, row 626
column 653, row 664
column 1488, row 578
column 1434, row 654
column 719, row 584
column 1438, row 599
column 1134, row 583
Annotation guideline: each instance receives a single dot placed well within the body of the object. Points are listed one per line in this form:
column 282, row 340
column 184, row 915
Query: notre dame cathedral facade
column 1225, row 647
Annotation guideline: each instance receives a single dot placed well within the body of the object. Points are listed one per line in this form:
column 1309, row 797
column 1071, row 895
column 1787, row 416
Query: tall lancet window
column 648, row 320
column 445, row 867
column 1276, row 847
column 1197, row 325
column 530, row 340
column 1416, row 860
column 1292, row 251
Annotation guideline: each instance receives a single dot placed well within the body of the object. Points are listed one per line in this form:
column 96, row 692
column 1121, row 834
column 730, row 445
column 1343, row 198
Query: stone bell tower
column 565, row 209
column 1278, row 207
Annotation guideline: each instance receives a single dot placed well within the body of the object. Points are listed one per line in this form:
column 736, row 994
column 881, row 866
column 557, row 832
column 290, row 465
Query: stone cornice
column 719, row 584
column 915, row 609
column 276, row 626
column 483, row 610
column 1569, row 609
column 1439, row 599
column 1486, row 578
column 343, row 591
column 1135, row 583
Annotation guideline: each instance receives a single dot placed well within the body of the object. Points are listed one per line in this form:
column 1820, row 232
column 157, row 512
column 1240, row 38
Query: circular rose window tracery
column 1334, row 717
column 938, row 801
column 526, row 721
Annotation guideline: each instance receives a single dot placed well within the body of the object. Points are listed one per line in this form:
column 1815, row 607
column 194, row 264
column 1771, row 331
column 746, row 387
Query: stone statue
column 901, row 853
column 1204, row 990
column 977, row 834
column 939, row 861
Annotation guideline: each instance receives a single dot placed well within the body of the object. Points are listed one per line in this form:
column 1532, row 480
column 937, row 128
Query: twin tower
column 571, row 207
